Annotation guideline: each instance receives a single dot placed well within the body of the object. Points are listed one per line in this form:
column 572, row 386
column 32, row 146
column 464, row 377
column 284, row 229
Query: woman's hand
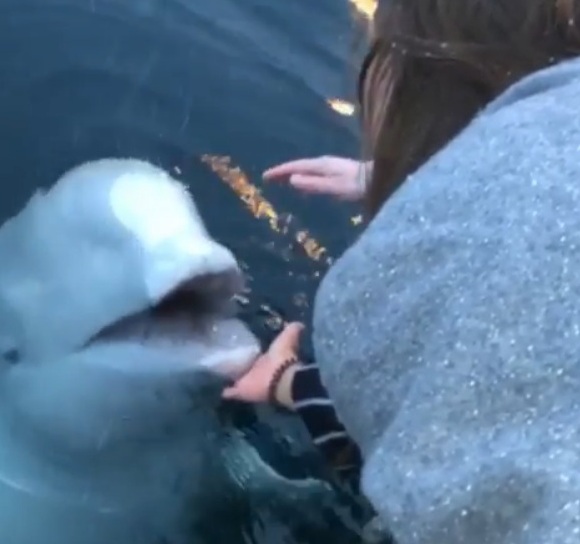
column 336, row 176
column 254, row 385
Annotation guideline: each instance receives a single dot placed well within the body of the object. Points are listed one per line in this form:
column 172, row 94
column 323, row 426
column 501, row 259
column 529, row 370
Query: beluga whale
column 118, row 331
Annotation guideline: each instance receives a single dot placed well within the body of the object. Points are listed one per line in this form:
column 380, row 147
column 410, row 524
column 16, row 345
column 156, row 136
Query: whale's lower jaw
column 196, row 320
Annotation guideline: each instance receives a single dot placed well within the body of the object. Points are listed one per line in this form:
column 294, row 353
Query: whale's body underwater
column 116, row 337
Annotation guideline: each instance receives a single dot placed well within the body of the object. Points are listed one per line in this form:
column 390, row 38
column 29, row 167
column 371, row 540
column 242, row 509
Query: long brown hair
column 433, row 64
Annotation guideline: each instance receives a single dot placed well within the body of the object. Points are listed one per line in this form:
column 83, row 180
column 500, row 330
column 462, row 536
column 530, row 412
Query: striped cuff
column 312, row 404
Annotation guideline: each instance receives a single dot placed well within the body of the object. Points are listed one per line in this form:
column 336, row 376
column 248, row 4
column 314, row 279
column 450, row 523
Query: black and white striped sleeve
column 312, row 404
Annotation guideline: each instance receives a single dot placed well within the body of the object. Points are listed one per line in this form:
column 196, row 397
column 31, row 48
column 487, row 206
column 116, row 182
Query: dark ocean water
column 170, row 81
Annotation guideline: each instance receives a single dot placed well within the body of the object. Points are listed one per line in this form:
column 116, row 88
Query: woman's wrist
column 368, row 171
column 364, row 175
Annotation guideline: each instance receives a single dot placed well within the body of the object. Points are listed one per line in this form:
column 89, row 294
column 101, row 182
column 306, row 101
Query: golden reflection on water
column 283, row 224
column 365, row 7
column 261, row 208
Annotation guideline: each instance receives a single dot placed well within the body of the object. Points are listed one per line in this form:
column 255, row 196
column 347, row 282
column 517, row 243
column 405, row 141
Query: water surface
column 176, row 81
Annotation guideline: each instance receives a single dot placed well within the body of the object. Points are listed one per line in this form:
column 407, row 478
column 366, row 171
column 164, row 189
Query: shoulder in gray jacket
column 449, row 335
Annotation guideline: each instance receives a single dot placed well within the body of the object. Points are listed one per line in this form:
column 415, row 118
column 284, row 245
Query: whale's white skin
column 109, row 380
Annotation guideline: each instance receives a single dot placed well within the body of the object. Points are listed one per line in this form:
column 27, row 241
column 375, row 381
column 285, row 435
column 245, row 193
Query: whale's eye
column 11, row 356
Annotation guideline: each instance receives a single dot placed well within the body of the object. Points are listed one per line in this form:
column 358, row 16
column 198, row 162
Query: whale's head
column 113, row 296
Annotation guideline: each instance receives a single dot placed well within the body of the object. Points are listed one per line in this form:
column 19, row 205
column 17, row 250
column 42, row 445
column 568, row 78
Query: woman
column 447, row 336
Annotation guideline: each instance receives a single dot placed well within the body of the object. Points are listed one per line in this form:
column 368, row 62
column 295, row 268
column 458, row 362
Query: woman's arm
column 277, row 377
column 300, row 389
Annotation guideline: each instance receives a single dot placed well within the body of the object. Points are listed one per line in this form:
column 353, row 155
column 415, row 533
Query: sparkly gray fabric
column 449, row 334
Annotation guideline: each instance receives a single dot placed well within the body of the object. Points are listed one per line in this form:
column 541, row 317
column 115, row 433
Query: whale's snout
column 190, row 278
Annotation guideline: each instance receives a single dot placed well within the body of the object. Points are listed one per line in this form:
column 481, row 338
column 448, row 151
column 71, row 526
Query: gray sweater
column 449, row 334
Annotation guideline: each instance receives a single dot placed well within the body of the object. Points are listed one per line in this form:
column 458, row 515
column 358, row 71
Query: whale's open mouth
column 196, row 318
column 184, row 313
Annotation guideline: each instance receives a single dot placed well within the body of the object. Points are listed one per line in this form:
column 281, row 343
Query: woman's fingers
column 317, row 184
column 316, row 166
column 231, row 393
column 250, row 387
column 253, row 386
column 287, row 341
column 245, row 390
column 334, row 176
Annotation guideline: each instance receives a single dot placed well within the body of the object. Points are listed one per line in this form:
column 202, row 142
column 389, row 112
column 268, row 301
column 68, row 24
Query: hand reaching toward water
column 254, row 385
column 336, row 176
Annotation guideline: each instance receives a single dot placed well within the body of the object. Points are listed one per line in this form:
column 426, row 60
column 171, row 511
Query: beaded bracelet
column 275, row 381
